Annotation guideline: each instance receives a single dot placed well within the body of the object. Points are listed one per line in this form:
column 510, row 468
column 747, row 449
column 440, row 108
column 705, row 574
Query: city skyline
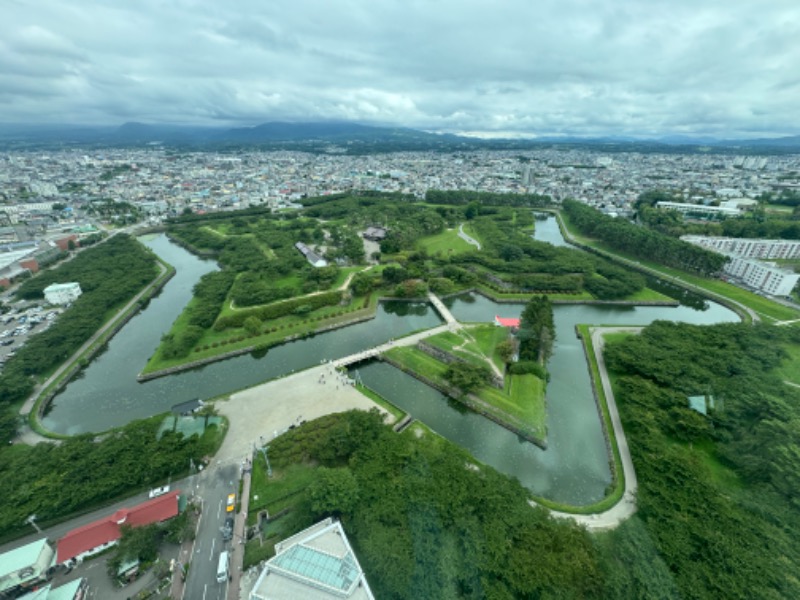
column 626, row 68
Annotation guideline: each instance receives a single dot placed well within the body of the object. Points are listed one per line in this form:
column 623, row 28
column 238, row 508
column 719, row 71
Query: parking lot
column 19, row 324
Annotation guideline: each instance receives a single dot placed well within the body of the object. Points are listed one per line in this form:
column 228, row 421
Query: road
column 212, row 485
column 57, row 531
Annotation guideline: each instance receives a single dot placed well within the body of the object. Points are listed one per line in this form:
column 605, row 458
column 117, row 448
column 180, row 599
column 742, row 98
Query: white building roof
column 317, row 563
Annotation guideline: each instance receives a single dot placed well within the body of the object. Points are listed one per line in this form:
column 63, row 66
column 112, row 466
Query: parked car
column 159, row 491
column 231, row 503
column 227, row 529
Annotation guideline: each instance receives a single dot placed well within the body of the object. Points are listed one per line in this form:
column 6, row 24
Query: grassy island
column 514, row 401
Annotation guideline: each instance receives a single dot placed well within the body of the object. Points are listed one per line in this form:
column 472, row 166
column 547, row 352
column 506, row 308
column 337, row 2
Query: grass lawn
column 648, row 295
column 523, row 398
column 447, row 243
column 285, row 490
column 779, row 208
column 521, row 404
column 475, row 344
column 278, row 492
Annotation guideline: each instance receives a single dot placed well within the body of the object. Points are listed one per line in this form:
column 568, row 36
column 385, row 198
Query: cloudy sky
column 527, row 67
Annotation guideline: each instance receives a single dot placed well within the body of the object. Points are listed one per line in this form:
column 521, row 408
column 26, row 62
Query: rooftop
column 106, row 530
column 317, row 563
column 20, row 564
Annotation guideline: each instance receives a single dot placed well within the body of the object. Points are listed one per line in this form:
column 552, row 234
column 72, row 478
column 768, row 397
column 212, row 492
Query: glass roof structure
column 319, row 567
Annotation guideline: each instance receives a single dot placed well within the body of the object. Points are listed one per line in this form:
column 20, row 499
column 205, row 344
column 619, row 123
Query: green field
column 476, row 344
column 521, row 403
column 444, row 244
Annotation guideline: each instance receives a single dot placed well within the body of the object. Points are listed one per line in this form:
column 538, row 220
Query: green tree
column 252, row 325
column 333, row 492
column 505, row 350
column 467, row 377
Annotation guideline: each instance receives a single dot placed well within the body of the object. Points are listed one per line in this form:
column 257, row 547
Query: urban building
column 746, row 247
column 314, row 259
column 62, row 293
column 102, row 534
column 744, row 264
column 74, row 590
column 763, row 276
column 700, row 209
column 315, row 564
column 25, row 567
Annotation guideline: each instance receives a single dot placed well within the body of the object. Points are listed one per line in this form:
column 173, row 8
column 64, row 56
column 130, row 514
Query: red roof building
column 96, row 537
column 501, row 322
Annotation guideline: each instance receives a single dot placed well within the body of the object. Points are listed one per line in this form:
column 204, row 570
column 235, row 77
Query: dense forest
column 718, row 505
column 641, row 242
column 109, row 274
column 717, row 494
column 475, row 537
column 537, row 331
column 53, row 481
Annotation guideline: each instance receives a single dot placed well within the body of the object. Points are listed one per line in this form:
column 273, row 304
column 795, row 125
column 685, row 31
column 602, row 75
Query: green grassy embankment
column 766, row 309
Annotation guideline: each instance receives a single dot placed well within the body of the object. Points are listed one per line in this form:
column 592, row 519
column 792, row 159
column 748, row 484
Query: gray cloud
column 626, row 67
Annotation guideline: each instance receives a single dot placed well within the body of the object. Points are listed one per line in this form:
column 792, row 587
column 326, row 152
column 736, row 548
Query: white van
column 222, row 567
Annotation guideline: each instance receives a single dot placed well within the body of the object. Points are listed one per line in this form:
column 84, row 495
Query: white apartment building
column 62, row 293
column 747, row 248
column 763, row 276
column 744, row 263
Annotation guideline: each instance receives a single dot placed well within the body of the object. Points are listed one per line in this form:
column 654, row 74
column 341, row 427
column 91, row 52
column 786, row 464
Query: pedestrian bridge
column 450, row 325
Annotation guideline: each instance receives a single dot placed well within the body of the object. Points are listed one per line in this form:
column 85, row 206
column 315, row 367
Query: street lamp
column 266, row 459
column 32, row 521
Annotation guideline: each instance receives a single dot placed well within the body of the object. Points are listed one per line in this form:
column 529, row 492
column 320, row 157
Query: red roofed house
column 501, row 322
column 96, row 537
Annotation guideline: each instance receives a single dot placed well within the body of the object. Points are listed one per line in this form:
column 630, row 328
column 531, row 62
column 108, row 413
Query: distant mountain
column 792, row 141
column 686, row 140
column 352, row 138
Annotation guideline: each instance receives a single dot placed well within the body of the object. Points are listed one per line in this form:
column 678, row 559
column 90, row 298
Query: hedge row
column 279, row 309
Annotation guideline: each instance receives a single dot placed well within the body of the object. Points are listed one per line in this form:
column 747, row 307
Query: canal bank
column 36, row 406
column 573, row 470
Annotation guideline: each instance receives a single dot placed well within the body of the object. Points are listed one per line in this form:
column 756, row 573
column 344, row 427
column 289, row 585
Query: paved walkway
column 443, row 311
column 466, row 237
column 258, row 414
column 625, row 508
